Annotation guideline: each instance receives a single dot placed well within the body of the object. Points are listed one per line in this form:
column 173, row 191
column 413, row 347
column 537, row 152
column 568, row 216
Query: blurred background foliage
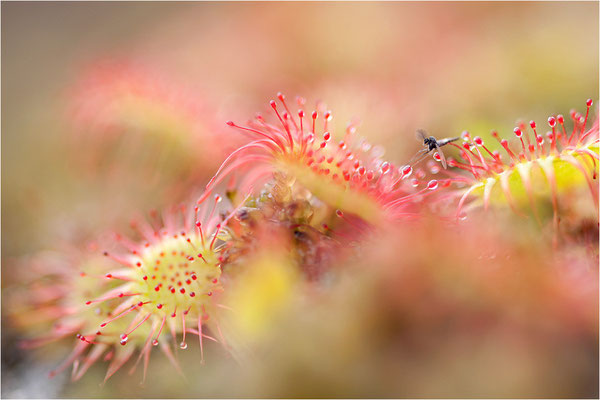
column 395, row 67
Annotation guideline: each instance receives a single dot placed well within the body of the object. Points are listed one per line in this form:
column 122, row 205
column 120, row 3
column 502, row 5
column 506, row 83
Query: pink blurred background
column 396, row 67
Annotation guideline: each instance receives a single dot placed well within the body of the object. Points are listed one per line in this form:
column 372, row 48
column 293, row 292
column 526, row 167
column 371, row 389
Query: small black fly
column 430, row 144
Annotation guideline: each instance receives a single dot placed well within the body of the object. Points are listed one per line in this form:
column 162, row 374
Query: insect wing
column 421, row 135
column 442, row 158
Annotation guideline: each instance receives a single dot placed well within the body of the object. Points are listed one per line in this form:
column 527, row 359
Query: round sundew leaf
column 156, row 291
column 566, row 174
column 530, row 179
column 348, row 175
column 336, row 195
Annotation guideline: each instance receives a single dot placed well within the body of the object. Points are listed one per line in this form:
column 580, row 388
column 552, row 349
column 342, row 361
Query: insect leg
column 425, row 150
column 421, row 158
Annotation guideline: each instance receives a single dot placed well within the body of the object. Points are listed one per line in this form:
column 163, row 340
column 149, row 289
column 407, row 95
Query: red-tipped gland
column 301, row 113
column 192, row 294
column 159, row 306
column 339, row 213
column 467, row 146
column 327, row 136
column 280, row 96
column 108, row 276
column 589, row 102
column 465, row 135
column 560, row 119
column 540, row 140
column 432, row 184
column 182, row 290
column 518, row 132
column 87, row 303
column 273, row 104
column 314, row 115
column 385, row 167
column 328, row 116
column 452, row 162
column 123, row 339
column 406, row 171
column 230, row 123
column 532, row 124
column 478, row 141
column 552, row 122
column 437, row 156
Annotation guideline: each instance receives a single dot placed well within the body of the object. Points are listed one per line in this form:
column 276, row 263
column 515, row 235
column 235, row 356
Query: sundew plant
column 177, row 227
